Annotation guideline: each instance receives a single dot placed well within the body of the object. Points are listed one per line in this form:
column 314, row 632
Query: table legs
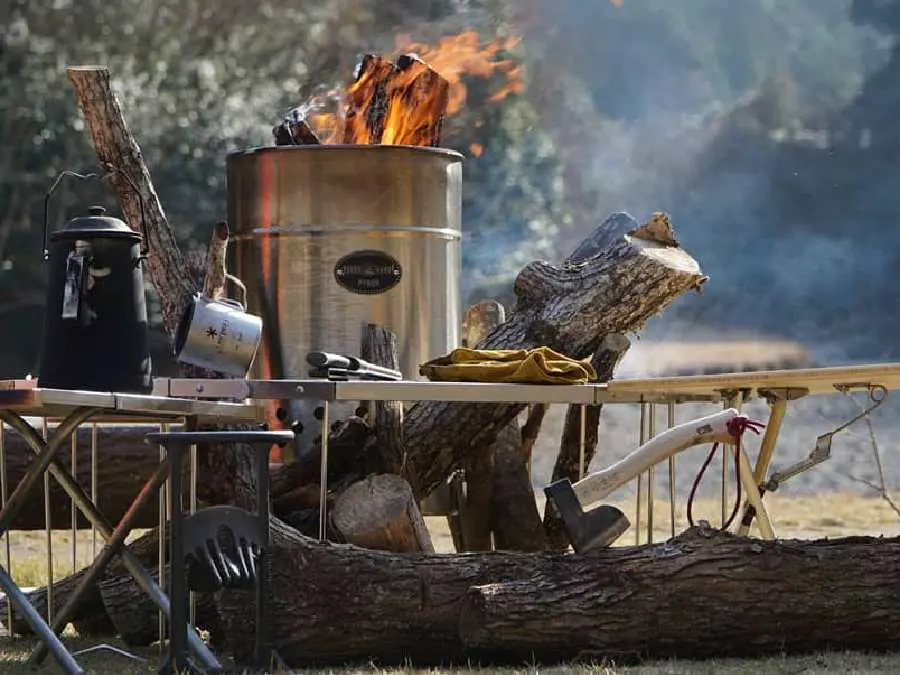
column 141, row 576
column 45, row 452
column 766, row 450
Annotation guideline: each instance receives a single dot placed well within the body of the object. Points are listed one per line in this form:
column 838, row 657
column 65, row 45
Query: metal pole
column 323, row 472
column 142, row 577
column 651, row 432
column 48, row 529
column 161, row 544
column 671, row 423
column 95, row 494
column 66, row 661
column 4, row 487
column 72, row 503
column 113, row 546
column 582, row 410
column 641, row 440
column 192, row 509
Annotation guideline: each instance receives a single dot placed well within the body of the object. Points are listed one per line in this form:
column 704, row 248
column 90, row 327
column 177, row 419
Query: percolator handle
column 145, row 245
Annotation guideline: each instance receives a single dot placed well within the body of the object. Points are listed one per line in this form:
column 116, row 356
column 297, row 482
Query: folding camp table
column 21, row 399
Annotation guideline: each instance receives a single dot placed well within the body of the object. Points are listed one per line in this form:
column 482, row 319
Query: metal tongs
column 822, row 449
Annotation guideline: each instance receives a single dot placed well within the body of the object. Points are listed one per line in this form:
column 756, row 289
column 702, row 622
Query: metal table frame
column 777, row 387
column 21, row 399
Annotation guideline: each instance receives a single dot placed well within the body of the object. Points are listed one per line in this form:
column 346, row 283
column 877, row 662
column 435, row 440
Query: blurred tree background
column 763, row 127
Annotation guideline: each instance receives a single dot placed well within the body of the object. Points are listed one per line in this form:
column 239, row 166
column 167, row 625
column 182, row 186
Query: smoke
column 732, row 140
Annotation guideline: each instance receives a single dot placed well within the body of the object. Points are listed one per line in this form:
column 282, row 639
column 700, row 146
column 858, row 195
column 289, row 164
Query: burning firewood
column 417, row 102
column 368, row 101
column 295, row 130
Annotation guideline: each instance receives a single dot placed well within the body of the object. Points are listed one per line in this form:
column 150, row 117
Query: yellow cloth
column 541, row 365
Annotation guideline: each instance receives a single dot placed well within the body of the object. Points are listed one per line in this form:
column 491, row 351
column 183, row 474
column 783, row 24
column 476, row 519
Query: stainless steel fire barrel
column 330, row 237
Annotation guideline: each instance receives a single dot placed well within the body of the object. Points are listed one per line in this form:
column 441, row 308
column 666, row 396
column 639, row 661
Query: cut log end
column 380, row 512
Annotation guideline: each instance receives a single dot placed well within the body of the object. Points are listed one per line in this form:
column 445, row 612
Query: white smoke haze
column 686, row 142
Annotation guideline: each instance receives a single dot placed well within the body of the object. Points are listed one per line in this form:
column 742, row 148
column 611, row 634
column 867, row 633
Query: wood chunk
column 380, row 512
column 367, row 101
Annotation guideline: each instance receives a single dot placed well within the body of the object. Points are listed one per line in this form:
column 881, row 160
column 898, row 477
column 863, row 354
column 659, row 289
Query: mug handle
column 243, row 292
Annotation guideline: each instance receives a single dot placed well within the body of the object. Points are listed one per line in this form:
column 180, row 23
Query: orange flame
column 404, row 102
column 458, row 55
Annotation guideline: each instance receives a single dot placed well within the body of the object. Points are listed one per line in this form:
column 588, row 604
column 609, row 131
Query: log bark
column 515, row 518
column 613, row 282
column 532, row 429
column 568, row 462
column 227, row 469
column 214, row 281
column 380, row 512
column 701, row 592
column 134, row 617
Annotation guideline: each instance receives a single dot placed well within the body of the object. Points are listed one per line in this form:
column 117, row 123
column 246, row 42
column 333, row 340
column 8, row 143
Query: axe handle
column 700, row 431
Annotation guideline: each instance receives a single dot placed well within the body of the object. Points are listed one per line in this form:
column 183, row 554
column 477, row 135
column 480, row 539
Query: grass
column 14, row 654
column 808, row 517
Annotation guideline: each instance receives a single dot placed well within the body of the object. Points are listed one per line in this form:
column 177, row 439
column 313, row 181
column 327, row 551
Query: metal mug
column 218, row 334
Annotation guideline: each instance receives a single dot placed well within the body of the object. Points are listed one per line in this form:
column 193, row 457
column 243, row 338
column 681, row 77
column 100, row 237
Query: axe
column 601, row 526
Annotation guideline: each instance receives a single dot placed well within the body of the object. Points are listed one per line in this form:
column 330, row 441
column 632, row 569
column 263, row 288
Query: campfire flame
column 405, row 101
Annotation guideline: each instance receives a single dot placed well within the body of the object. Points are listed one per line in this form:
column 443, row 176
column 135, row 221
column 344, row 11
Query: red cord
column 736, row 427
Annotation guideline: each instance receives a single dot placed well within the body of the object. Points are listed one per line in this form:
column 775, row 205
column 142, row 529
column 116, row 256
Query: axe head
column 587, row 530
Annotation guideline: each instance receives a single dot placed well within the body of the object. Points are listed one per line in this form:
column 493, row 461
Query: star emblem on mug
column 211, row 332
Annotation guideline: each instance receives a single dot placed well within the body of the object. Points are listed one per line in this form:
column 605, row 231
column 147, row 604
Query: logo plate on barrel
column 368, row 272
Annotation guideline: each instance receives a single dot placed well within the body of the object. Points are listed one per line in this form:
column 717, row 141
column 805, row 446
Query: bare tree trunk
column 227, row 469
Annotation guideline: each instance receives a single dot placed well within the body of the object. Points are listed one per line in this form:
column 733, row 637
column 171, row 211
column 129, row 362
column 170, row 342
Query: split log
column 380, row 512
column 701, row 591
column 214, row 281
column 379, row 347
column 417, row 102
column 568, row 461
column 515, row 518
column 613, row 283
column 471, row 523
column 531, row 429
column 367, row 101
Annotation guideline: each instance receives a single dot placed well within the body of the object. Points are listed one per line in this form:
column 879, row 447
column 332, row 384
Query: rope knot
column 736, row 427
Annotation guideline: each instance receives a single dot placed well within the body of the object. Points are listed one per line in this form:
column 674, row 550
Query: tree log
column 701, row 591
column 515, row 519
column 227, row 469
column 380, row 512
column 133, row 615
column 568, row 461
column 123, row 465
column 614, row 282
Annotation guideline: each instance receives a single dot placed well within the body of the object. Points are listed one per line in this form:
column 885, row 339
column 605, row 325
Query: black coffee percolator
column 95, row 324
